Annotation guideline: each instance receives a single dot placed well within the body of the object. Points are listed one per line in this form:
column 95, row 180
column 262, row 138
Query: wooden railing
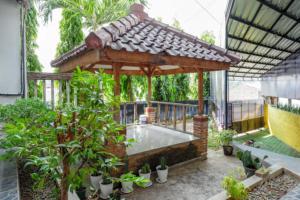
column 176, row 116
column 36, row 79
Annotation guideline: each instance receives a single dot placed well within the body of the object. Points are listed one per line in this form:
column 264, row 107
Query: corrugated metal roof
column 263, row 32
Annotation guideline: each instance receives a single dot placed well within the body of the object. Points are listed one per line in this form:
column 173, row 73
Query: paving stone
column 293, row 194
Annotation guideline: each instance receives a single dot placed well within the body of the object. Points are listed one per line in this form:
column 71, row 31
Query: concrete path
column 291, row 163
column 9, row 184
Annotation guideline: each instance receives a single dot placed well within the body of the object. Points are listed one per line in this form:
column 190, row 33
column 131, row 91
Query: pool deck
column 149, row 137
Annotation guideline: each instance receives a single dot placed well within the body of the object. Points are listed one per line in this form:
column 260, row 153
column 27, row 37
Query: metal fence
column 244, row 110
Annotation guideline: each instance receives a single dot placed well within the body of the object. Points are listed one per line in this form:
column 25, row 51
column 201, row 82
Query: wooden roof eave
column 109, row 56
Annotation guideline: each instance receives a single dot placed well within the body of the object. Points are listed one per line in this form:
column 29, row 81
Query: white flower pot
column 147, row 176
column 95, row 181
column 162, row 174
column 127, row 187
column 106, row 190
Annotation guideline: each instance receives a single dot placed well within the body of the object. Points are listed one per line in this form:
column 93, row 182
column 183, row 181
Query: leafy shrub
column 64, row 143
column 235, row 189
column 225, row 137
column 248, row 161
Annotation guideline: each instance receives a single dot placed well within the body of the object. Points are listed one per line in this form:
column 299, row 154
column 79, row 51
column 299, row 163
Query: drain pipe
column 226, row 98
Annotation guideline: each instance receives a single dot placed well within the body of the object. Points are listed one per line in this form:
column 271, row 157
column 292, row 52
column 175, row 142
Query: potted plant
column 128, row 179
column 81, row 192
column 96, row 178
column 262, row 172
column 225, row 139
column 145, row 172
column 106, row 186
column 162, row 171
column 115, row 196
column 250, row 164
column 235, row 189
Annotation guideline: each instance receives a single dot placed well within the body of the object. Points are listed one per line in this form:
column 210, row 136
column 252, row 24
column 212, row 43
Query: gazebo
column 140, row 45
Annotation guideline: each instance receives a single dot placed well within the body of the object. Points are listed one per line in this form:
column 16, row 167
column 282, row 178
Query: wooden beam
column 110, row 56
column 117, row 90
column 200, row 92
column 149, row 90
column 48, row 76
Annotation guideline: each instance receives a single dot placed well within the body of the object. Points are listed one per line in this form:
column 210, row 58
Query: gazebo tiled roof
column 138, row 33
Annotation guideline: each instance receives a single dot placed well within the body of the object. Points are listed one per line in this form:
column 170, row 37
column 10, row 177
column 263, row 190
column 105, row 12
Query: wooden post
column 52, row 93
column 158, row 113
column 166, row 114
column 35, row 89
column 184, row 118
column 200, row 92
column 149, row 90
column 125, row 116
column 116, row 72
column 134, row 112
column 44, row 91
column 174, row 117
column 60, row 99
column 68, row 91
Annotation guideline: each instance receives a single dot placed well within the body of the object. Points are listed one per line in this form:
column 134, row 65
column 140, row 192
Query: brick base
column 201, row 131
column 150, row 113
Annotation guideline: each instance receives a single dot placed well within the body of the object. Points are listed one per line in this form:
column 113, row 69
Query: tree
column 94, row 13
column 32, row 61
column 208, row 37
column 71, row 34
column 64, row 144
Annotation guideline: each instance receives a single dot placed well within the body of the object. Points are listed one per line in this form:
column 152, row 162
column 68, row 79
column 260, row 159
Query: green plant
column 130, row 177
column 248, row 161
column 163, row 163
column 63, row 142
column 145, row 169
column 225, row 137
column 106, row 179
column 235, row 189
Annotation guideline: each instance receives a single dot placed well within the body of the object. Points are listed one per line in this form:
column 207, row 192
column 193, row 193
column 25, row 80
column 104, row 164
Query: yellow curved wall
column 285, row 126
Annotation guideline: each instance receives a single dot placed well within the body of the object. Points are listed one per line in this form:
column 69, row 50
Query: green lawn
column 264, row 140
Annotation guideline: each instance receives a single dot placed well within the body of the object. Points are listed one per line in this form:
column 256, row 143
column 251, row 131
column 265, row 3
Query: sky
column 192, row 15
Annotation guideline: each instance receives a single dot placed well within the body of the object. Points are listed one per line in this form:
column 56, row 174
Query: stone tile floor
column 195, row 180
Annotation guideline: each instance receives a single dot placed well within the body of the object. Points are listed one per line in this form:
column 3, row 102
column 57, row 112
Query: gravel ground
column 27, row 190
column 274, row 189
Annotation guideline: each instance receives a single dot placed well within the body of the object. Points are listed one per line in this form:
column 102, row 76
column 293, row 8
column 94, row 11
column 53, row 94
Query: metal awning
column 263, row 32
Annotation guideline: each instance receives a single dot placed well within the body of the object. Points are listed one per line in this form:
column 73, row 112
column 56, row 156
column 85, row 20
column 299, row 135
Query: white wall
column 10, row 50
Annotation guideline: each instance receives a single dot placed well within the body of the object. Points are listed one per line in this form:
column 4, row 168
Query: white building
column 12, row 51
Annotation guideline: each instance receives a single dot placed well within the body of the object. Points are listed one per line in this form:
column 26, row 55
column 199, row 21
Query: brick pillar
column 201, row 131
column 150, row 113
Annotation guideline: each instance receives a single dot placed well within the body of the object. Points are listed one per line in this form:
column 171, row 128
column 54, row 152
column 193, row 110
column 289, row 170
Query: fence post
column 184, row 118
column 134, row 112
column 174, row 116
column 125, row 117
column 166, row 114
column 35, row 89
column 52, row 93
column 158, row 113
column 68, row 91
column 60, row 99
column 44, row 91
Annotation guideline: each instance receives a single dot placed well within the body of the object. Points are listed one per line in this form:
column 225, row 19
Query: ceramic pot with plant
column 234, row 188
column 128, row 179
column 95, row 179
column 250, row 163
column 145, row 172
column 106, row 186
column 162, row 171
column 225, row 138
column 81, row 192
